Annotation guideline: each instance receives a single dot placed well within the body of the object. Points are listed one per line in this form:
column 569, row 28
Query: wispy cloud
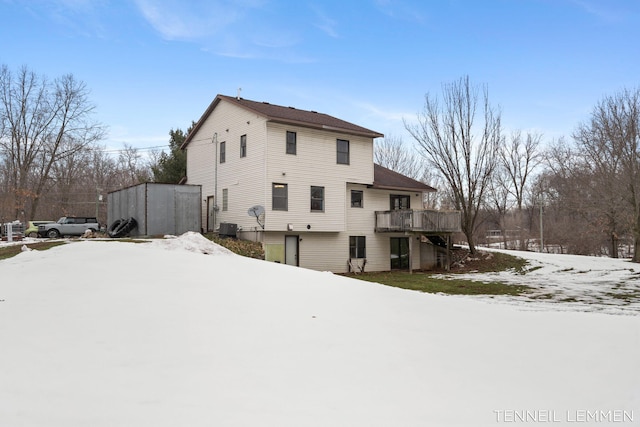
column 180, row 20
column 400, row 10
column 324, row 22
column 232, row 28
column 83, row 17
column 381, row 113
column 607, row 11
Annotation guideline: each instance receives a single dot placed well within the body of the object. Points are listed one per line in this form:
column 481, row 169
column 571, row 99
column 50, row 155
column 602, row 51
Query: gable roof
column 387, row 179
column 286, row 115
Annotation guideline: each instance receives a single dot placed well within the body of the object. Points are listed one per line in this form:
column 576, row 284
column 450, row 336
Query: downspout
column 267, row 185
column 215, row 188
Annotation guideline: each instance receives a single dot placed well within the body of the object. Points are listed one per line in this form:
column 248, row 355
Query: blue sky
column 154, row 65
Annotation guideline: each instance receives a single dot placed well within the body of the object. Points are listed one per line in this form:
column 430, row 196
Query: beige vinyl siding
column 330, row 251
column 361, row 222
column 241, row 176
column 314, row 164
column 317, row 251
column 200, row 163
column 323, row 236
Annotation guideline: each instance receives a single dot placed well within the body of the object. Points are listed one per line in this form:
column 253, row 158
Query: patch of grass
column 13, row 250
column 246, row 248
column 429, row 283
column 126, row 240
column 502, row 262
column 627, row 297
column 487, row 262
column 544, row 296
column 435, row 282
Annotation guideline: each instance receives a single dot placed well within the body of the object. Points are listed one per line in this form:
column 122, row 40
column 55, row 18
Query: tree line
column 51, row 160
column 579, row 195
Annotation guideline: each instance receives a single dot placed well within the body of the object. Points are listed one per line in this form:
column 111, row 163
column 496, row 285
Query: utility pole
column 541, row 223
column 98, row 200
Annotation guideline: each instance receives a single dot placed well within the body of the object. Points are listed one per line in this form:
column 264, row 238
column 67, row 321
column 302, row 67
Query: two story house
column 305, row 185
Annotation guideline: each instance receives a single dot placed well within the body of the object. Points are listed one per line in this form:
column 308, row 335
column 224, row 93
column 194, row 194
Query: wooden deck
column 423, row 221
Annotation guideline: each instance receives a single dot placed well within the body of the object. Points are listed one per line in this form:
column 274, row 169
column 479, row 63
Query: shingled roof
column 387, row 179
column 287, row 115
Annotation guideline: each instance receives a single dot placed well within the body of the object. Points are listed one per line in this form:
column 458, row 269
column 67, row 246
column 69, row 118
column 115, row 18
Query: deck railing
column 429, row 221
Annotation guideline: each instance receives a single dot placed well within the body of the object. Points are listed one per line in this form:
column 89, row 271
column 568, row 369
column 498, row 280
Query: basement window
column 357, row 247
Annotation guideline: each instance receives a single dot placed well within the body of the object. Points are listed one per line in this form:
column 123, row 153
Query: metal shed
column 159, row 209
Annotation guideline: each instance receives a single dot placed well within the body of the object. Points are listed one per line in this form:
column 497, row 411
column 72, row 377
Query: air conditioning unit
column 228, row 229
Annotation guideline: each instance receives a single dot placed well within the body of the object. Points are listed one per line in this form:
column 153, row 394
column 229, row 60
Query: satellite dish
column 256, row 211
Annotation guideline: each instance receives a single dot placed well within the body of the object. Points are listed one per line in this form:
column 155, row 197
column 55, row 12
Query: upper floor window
column 225, row 199
column 223, row 152
column 343, row 151
column 356, row 198
column 317, row 199
column 400, row 202
column 243, row 146
column 279, row 197
column 291, row 142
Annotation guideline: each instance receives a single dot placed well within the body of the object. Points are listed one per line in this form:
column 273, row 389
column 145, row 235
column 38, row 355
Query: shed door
column 186, row 211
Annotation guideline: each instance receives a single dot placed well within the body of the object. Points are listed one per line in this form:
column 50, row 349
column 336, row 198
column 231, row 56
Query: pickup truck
column 68, row 226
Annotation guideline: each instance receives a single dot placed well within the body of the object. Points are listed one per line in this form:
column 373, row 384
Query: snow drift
column 179, row 332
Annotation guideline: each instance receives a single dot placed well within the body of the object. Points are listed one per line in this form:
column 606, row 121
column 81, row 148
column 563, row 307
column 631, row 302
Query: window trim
column 316, row 199
column 339, row 159
column 284, row 198
column 291, row 147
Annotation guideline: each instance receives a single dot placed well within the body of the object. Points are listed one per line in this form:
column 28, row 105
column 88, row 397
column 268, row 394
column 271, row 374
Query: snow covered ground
column 180, row 332
column 572, row 282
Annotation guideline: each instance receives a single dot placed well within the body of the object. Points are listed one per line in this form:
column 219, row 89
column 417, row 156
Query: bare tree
column 519, row 158
column 132, row 167
column 498, row 201
column 440, row 199
column 589, row 214
column 42, row 122
column 392, row 153
column 610, row 146
column 462, row 151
